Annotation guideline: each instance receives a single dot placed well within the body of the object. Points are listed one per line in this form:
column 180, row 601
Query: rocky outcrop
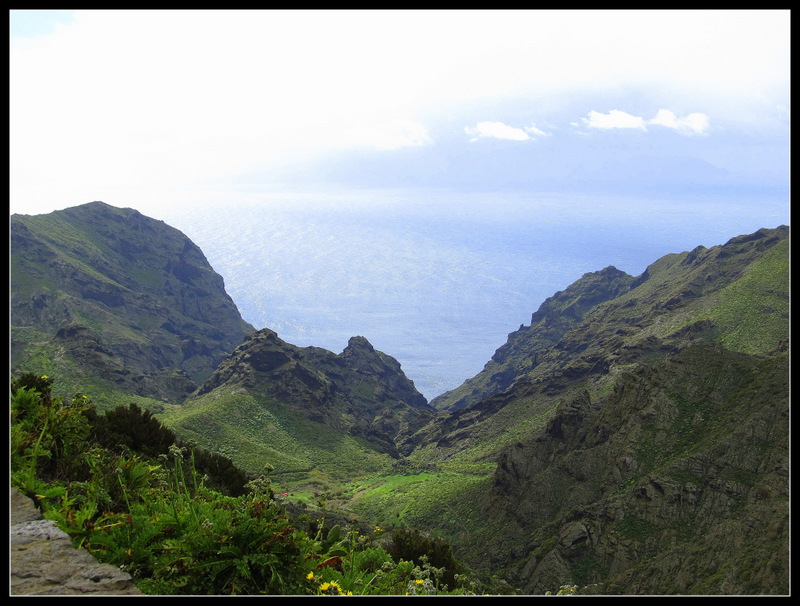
column 360, row 391
column 43, row 561
column 677, row 483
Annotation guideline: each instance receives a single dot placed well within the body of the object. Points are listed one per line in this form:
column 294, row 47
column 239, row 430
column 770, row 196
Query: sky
column 155, row 108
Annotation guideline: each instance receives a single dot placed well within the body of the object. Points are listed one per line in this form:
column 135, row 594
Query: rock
column 43, row 561
column 361, row 391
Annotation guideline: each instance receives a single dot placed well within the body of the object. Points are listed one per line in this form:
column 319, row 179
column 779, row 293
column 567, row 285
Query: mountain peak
column 358, row 342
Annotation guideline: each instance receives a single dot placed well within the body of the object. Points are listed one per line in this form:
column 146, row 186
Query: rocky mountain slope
column 681, row 288
column 646, row 424
column 100, row 293
column 633, row 439
column 360, row 392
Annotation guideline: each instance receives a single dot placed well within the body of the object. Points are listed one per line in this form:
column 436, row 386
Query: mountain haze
column 633, row 439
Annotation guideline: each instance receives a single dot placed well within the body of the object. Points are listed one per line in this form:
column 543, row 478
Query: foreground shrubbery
column 184, row 521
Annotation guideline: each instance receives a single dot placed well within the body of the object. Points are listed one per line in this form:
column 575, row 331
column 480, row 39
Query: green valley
column 633, row 439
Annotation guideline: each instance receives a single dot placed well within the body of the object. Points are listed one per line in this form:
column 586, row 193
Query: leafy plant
column 156, row 517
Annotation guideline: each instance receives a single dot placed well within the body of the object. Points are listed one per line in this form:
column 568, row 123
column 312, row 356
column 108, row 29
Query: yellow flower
column 324, row 587
column 310, row 576
column 419, row 581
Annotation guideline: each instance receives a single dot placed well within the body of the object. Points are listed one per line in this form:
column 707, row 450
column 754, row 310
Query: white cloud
column 500, row 130
column 692, row 124
column 614, row 119
column 534, row 130
column 496, row 130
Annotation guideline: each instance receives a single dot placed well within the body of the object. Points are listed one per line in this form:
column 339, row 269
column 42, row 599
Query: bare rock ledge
column 43, row 561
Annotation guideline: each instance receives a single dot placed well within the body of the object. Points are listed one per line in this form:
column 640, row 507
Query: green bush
column 413, row 545
column 116, row 486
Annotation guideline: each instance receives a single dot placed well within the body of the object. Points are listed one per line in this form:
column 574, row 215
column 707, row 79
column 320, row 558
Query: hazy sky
column 151, row 108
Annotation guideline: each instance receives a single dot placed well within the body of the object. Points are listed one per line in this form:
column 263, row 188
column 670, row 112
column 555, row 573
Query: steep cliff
column 556, row 316
column 99, row 292
column 676, row 482
column 647, row 441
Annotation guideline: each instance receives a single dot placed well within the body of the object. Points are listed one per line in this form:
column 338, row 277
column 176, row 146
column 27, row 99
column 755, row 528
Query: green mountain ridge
column 633, row 439
column 655, row 421
column 123, row 302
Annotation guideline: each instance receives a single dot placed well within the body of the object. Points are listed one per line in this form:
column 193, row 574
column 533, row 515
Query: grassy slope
column 255, row 432
column 750, row 314
column 443, row 490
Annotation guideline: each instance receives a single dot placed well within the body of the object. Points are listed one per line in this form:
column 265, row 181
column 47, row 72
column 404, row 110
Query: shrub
column 157, row 518
column 413, row 545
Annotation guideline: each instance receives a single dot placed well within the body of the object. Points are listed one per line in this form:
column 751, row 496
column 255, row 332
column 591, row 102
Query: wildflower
column 325, row 587
column 419, row 581
column 310, row 576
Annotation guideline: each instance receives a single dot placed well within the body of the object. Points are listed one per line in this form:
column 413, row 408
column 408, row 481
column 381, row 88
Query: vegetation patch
column 136, row 501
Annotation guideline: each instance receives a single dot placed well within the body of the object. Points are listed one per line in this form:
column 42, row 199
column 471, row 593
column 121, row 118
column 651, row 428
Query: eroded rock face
column 674, row 484
column 42, row 560
column 361, row 391
column 126, row 295
column 655, row 458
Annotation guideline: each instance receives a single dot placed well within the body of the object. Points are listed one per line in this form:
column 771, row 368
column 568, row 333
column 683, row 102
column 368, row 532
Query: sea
column 438, row 279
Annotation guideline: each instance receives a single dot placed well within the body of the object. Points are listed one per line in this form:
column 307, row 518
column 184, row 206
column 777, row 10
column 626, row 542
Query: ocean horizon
column 438, row 279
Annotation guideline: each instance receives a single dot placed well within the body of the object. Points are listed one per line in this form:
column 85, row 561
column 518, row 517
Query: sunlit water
column 438, row 280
